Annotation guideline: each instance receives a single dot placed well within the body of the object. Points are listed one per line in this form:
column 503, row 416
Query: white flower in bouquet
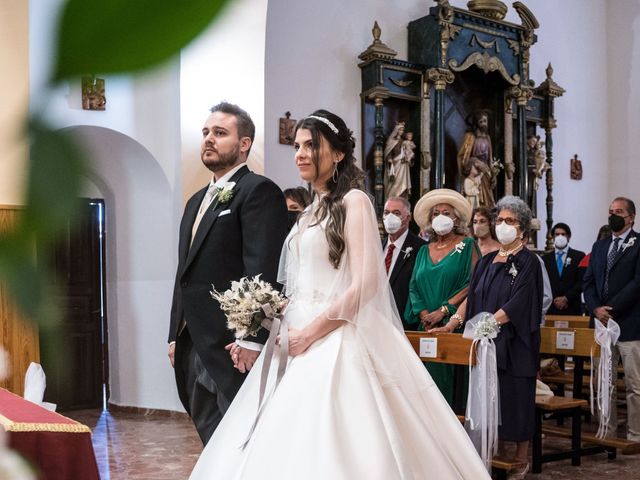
column 487, row 327
column 245, row 303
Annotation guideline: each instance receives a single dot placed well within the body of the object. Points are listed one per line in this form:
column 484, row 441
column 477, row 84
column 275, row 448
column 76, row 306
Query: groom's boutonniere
column 225, row 193
column 568, row 261
column 407, row 251
column 628, row 243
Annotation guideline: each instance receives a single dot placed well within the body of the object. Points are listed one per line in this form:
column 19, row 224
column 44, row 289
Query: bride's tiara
column 326, row 121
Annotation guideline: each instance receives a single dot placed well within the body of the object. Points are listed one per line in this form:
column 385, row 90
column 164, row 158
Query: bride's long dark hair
column 347, row 177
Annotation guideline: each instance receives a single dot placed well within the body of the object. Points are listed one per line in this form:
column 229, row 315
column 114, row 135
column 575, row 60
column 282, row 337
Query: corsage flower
column 407, row 251
column 225, row 193
column 512, row 268
column 459, row 247
column 628, row 243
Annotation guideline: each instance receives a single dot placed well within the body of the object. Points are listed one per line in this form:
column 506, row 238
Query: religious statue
column 399, row 156
column 537, row 165
column 471, row 185
column 476, row 151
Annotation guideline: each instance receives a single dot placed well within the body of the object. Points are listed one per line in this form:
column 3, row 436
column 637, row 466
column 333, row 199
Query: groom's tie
column 206, row 202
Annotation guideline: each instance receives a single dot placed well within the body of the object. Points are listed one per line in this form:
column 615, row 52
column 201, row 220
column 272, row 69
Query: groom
column 232, row 228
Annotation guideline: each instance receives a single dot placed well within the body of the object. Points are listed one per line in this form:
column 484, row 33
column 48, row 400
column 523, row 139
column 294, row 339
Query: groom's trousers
column 207, row 404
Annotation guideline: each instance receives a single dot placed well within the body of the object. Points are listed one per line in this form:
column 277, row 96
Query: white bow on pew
column 605, row 336
column 483, row 401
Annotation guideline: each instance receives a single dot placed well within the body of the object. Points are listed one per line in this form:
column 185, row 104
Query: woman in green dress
column 442, row 272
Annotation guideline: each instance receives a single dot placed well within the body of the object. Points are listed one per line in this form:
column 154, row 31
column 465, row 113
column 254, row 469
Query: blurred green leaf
column 28, row 284
column 56, row 166
column 116, row 36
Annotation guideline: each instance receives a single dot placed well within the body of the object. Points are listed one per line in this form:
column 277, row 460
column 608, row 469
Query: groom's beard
column 221, row 161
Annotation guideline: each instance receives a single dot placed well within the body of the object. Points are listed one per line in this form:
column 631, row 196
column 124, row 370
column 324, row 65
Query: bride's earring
column 334, row 177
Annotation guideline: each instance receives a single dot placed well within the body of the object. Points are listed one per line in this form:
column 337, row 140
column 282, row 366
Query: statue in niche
column 399, row 154
column 472, row 183
column 476, row 151
column 537, row 165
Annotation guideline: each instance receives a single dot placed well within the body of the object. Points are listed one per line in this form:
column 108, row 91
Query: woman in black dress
column 508, row 283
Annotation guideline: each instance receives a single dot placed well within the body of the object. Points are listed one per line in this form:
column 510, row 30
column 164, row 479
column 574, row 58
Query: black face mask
column 616, row 222
column 292, row 217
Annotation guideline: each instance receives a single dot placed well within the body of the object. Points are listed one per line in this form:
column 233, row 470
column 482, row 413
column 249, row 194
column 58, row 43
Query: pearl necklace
column 505, row 253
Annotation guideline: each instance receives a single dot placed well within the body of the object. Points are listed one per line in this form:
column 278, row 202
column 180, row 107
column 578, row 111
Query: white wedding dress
column 358, row 404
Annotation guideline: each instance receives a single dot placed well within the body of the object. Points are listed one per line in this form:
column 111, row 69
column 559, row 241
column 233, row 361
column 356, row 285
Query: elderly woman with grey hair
column 508, row 283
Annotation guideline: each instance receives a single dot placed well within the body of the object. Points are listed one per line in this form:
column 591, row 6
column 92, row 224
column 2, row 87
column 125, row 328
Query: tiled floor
column 154, row 447
column 141, row 447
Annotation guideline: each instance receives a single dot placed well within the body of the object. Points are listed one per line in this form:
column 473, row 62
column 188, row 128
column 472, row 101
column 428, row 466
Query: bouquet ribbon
column 606, row 337
column 483, row 406
column 276, row 324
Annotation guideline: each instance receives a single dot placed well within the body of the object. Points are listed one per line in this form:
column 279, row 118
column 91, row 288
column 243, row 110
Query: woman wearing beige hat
column 442, row 272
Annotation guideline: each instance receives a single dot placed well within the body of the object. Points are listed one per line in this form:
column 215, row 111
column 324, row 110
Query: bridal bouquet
column 248, row 303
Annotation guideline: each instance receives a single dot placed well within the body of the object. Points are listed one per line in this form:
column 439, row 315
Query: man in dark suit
column 612, row 291
column 232, row 228
column 566, row 278
column 400, row 250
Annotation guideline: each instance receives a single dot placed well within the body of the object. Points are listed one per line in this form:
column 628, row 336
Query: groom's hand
column 172, row 353
column 243, row 358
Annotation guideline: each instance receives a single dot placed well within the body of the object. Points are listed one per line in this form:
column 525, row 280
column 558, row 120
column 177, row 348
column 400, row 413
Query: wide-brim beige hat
column 435, row 197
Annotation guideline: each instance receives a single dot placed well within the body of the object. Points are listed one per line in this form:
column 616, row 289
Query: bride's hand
column 298, row 342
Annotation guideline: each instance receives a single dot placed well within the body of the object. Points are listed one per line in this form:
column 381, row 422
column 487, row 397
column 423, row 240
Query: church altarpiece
column 461, row 112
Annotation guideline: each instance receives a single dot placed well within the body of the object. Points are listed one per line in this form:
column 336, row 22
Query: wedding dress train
column 358, row 404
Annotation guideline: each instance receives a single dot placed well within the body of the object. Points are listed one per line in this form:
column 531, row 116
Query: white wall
column 134, row 146
column 311, row 62
column 140, row 252
column 623, row 70
column 226, row 63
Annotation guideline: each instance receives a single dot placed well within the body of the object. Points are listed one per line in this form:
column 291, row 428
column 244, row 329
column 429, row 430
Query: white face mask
column 392, row 223
column 442, row 224
column 560, row 241
column 506, row 233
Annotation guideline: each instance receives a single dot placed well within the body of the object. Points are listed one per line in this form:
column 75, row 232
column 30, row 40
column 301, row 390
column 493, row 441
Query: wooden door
column 74, row 356
column 18, row 335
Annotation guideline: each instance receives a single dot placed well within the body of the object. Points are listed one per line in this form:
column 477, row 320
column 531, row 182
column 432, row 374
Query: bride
column 355, row 401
